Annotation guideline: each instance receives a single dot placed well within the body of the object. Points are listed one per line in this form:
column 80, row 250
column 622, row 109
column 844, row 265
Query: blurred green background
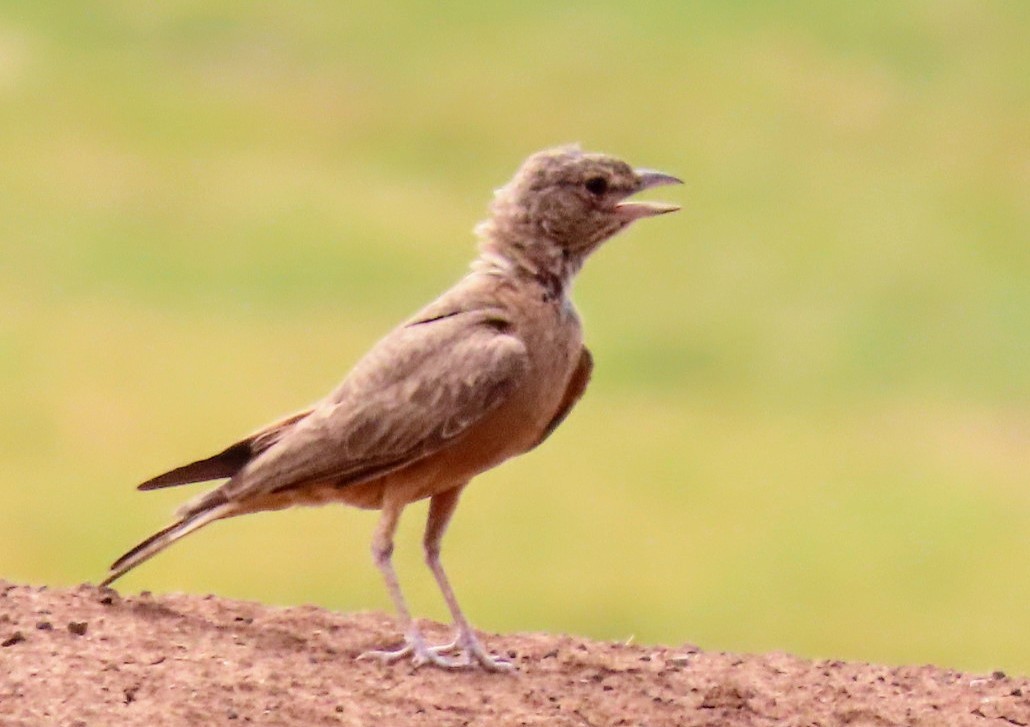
column 809, row 423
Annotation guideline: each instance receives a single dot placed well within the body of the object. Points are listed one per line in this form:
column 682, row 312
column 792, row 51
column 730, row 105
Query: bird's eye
column 597, row 186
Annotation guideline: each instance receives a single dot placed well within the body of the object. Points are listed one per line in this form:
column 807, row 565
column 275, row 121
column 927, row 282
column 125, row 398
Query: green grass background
column 809, row 426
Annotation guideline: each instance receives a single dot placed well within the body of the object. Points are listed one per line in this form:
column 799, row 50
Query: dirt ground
column 88, row 656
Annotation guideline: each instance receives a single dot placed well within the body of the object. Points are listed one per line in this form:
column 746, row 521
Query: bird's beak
column 646, row 179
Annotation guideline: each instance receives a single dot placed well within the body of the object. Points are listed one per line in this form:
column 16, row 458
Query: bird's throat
column 541, row 261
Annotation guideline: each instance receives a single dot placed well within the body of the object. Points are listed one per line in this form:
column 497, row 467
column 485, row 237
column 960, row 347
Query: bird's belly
column 497, row 438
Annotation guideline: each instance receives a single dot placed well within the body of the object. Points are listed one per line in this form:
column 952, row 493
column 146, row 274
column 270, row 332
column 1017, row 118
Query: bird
column 485, row 372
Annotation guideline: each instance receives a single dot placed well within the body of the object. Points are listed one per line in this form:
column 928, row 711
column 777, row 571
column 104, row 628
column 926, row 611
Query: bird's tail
column 162, row 539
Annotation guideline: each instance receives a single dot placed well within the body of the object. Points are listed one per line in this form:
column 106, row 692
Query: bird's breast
column 554, row 340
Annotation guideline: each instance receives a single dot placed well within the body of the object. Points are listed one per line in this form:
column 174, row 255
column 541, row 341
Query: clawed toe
column 468, row 653
column 471, row 652
column 415, row 647
column 449, row 648
column 477, row 654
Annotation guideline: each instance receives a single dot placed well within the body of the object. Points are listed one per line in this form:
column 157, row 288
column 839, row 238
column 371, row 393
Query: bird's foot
column 420, row 653
column 469, row 652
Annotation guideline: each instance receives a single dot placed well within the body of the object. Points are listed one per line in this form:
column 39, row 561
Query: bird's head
column 571, row 201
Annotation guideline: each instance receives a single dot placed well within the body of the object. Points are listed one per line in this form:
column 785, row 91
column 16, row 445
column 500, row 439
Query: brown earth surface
column 89, row 656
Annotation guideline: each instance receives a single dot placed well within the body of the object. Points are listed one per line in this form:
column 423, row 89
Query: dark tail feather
column 161, row 540
column 224, row 464
column 229, row 461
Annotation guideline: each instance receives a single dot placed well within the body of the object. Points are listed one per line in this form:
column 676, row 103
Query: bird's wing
column 417, row 390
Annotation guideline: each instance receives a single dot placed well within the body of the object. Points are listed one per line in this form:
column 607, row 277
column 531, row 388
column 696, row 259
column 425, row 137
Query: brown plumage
column 483, row 373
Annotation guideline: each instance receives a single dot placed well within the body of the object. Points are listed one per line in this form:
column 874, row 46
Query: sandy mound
column 90, row 657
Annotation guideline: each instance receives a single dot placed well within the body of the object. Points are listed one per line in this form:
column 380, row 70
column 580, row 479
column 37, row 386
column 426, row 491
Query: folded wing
column 414, row 393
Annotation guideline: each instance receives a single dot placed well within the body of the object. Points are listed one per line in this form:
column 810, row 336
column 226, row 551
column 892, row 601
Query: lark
column 485, row 372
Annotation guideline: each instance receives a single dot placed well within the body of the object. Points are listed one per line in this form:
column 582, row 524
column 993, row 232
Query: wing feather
column 227, row 462
column 411, row 395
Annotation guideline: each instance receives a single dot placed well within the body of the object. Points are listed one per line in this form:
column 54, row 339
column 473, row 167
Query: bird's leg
column 414, row 643
column 441, row 507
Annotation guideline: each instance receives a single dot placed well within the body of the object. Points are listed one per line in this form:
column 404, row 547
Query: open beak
column 648, row 178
